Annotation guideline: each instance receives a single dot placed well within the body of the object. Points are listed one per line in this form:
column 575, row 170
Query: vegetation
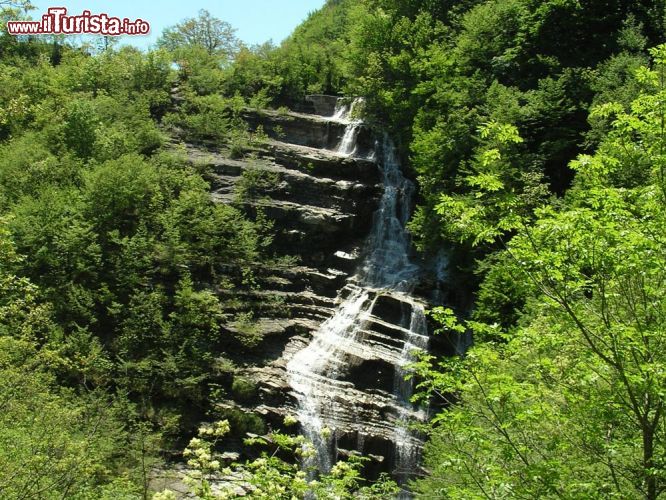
column 270, row 475
column 535, row 131
column 575, row 388
column 113, row 254
column 205, row 31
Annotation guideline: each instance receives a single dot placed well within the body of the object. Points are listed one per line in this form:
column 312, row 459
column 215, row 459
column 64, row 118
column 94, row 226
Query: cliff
column 338, row 326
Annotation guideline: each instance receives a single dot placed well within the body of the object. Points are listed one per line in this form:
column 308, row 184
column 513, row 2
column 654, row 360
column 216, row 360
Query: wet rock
column 392, row 309
column 322, row 204
column 324, row 105
column 373, row 374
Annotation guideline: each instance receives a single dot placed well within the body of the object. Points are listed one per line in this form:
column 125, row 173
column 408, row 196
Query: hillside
column 415, row 250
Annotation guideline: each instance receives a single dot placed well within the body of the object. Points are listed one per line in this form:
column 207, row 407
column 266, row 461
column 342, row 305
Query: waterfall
column 386, row 268
column 416, row 339
column 347, row 145
column 388, row 264
column 341, row 111
column 344, row 113
column 311, row 366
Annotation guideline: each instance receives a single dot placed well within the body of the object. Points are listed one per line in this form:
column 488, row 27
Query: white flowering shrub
column 271, row 476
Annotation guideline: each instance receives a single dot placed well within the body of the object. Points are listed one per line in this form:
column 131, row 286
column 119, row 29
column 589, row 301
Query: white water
column 341, row 111
column 345, row 113
column 416, row 339
column 388, row 264
column 347, row 145
column 386, row 268
column 315, row 362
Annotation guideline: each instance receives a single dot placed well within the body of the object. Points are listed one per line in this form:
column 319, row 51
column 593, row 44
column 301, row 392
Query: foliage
column 68, row 447
column 244, row 390
column 576, row 390
column 271, row 476
column 311, row 60
column 111, row 255
column 487, row 206
column 437, row 75
column 535, row 131
column 214, row 35
column 209, row 117
column 254, row 182
column 54, row 441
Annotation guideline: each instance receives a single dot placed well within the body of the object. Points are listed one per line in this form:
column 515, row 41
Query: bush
column 253, row 182
column 243, row 422
column 243, row 390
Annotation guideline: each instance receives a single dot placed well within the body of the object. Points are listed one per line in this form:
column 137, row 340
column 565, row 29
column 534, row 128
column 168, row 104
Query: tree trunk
column 648, row 463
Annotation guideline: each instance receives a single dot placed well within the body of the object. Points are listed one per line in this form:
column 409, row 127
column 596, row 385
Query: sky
column 256, row 21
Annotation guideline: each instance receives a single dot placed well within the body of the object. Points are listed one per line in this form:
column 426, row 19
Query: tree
column 23, row 5
column 578, row 389
column 53, row 441
column 496, row 196
column 217, row 37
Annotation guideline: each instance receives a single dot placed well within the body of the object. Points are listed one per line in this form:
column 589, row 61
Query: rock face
column 339, row 326
column 324, row 105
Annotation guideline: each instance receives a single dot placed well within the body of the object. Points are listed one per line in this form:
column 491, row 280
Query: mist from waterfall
column 387, row 267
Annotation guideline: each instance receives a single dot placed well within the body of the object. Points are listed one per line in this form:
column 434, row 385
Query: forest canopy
column 535, row 133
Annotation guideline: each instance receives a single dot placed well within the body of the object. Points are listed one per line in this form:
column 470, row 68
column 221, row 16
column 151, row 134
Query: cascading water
column 416, row 339
column 346, row 113
column 388, row 264
column 313, row 366
column 341, row 111
column 347, row 145
column 387, row 268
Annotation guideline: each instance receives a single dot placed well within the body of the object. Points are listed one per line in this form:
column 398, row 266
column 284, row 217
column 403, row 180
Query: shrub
column 243, row 390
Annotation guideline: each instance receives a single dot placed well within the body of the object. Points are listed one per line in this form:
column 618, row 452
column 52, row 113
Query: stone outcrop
column 324, row 105
column 322, row 204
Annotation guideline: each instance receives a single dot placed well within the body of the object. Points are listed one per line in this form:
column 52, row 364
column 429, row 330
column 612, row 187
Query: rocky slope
column 322, row 203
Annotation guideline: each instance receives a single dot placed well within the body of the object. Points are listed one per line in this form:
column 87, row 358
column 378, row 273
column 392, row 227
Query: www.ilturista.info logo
column 57, row 22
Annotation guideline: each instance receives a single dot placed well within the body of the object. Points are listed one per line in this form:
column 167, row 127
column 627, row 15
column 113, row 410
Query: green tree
column 577, row 389
column 53, row 440
column 214, row 35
